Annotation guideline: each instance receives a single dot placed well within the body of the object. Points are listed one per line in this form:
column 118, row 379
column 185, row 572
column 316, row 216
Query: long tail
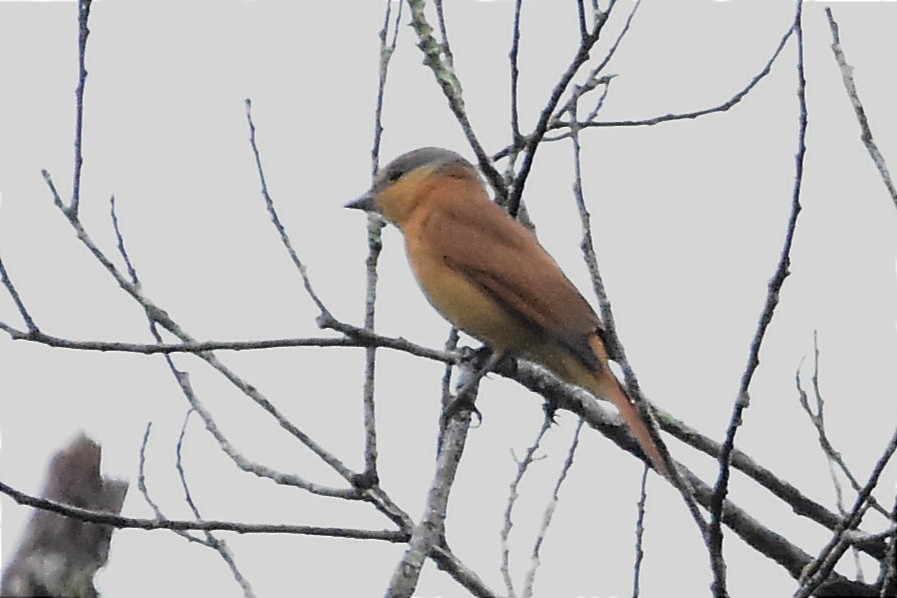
column 606, row 385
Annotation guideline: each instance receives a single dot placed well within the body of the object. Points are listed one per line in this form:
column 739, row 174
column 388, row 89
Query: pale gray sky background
column 688, row 219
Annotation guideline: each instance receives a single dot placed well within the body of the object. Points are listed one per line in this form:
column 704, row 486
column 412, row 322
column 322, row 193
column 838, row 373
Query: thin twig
column 592, row 80
column 548, row 514
column 515, row 74
column 764, row 540
column 355, row 337
column 772, row 299
column 83, row 32
column 535, row 138
column 156, row 315
column 161, row 317
column 833, row 457
column 640, row 534
column 275, row 218
column 772, row 544
column 212, row 541
column 557, row 123
column 819, row 570
column 386, row 52
column 120, row 243
column 800, row 504
column 144, row 489
column 443, row 34
column 20, row 305
column 120, row 522
column 183, row 380
column 375, row 245
column 609, row 333
column 444, row 72
column 507, row 522
column 587, row 246
column 866, row 131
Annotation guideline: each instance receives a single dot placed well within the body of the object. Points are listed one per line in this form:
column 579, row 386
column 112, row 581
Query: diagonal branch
column 772, row 299
column 20, row 305
column 430, row 530
column 534, row 140
column 818, row 571
column 438, row 58
column 862, row 120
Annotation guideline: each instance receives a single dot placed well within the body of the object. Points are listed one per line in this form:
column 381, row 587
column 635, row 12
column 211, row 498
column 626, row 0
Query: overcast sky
column 688, row 219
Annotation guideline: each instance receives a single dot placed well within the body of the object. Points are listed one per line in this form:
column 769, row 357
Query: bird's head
column 401, row 185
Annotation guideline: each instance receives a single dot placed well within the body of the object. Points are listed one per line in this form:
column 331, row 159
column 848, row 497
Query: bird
column 487, row 274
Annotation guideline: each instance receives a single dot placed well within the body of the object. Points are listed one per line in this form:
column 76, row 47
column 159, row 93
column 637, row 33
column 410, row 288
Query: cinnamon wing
column 516, row 271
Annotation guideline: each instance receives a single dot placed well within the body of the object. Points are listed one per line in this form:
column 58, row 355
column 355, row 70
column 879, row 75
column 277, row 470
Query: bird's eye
column 394, row 175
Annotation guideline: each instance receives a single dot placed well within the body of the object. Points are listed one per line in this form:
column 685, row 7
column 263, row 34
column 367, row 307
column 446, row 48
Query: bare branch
column 535, row 138
column 451, row 87
column 547, row 515
column 581, row 16
column 20, row 305
column 209, row 540
column 515, row 76
column 889, row 578
column 446, row 398
column 120, row 522
column 799, row 503
column 443, row 33
column 513, row 494
column 833, row 457
column 275, row 218
column 355, row 337
column 773, row 545
column 772, row 299
column 640, row 534
column 430, row 531
column 215, row 543
column 609, row 333
column 83, row 32
column 375, row 245
column 159, row 316
column 865, row 129
column 144, row 489
column 762, row 539
column 557, row 123
column 817, row 572
column 386, row 51
column 592, row 80
column 183, row 380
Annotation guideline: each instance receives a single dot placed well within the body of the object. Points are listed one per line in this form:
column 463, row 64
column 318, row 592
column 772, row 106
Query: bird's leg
column 550, row 407
column 465, row 397
column 481, row 356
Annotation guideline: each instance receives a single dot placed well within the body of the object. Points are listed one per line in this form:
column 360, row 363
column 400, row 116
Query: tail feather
column 605, row 384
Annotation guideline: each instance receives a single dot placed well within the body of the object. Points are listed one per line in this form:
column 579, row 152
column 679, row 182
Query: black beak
column 366, row 202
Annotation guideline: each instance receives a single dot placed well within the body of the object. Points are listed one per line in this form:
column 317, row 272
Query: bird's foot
column 550, row 407
column 458, row 405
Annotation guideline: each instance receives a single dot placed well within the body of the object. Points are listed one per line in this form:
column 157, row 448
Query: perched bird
column 489, row 276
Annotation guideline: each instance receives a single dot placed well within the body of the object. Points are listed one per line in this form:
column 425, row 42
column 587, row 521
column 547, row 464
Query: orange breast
column 468, row 307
